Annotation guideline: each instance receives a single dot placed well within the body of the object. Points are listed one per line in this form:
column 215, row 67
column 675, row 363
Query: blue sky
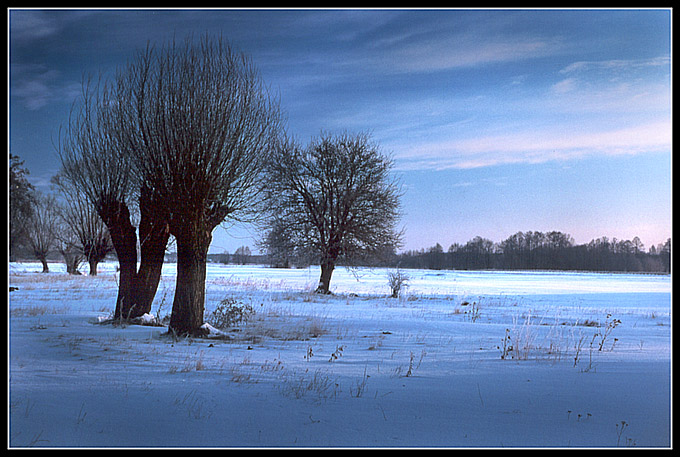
column 498, row 121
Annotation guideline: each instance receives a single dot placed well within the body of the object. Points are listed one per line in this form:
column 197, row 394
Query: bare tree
column 336, row 198
column 242, row 255
column 84, row 229
column 95, row 160
column 199, row 124
column 67, row 246
column 638, row 246
column 42, row 230
column 279, row 251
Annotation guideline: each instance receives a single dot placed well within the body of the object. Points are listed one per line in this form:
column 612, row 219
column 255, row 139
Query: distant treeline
column 521, row 251
column 542, row 251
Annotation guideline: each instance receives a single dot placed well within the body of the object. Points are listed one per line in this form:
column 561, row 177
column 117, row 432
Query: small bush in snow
column 397, row 281
column 229, row 313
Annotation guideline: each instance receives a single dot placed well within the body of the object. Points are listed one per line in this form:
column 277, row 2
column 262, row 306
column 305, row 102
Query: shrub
column 230, row 312
column 397, row 281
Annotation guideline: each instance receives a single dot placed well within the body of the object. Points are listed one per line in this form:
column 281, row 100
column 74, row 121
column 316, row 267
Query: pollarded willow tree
column 97, row 168
column 198, row 126
column 336, row 198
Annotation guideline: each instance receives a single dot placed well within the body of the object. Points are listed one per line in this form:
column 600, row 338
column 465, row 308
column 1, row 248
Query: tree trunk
column 45, row 269
column 149, row 274
column 153, row 234
column 93, row 266
column 71, row 261
column 136, row 289
column 124, row 240
column 327, row 267
column 189, row 303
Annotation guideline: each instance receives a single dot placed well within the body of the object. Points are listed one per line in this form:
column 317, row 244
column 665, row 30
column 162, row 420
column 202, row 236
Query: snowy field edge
column 462, row 359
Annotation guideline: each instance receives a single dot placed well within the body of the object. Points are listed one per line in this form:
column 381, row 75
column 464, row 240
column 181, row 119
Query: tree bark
column 149, row 274
column 327, row 268
column 189, row 303
column 116, row 216
column 136, row 288
column 153, row 234
column 93, row 266
column 71, row 260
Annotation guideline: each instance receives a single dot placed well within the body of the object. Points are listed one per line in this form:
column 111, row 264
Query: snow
column 353, row 369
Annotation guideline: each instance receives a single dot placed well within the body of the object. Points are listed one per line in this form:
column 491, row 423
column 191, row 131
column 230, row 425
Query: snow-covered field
column 472, row 359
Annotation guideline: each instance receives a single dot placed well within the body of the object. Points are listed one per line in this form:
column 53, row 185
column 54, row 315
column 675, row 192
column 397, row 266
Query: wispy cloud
column 593, row 108
column 35, row 86
column 468, row 51
column 31, row 25
column 630, row 94
column 615, row 65
column 537, row 147
column 399, row 43
column 564, row 86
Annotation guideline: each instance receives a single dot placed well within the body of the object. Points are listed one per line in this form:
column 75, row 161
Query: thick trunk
column 46, row 269
column 189, row 303
column 149, row 274
column 153, row 234
column 71, row 260
column 327, row 268
column 124, row 240
column 136, row 289
column 93, row 266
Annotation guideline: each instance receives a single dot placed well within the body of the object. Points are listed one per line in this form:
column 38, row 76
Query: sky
column 498, row 121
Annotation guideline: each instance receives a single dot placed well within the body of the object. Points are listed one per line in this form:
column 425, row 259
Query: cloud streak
column 36, row 86
column 468, row 51
column 591, row 108
column 31, row 25
column 625, row 65
column 536, row 147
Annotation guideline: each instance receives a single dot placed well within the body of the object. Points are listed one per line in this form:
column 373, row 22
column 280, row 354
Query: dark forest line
column 541, row 251
column 521, row 251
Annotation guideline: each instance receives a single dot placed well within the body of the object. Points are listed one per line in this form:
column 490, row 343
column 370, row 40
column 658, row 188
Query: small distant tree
column 242, row 255
column 638, row 246
column 435, row 257
column 42, row 229
column 85, row 230
column 276, row 247
column 397, row 280
column 95, row 240
column 69, row 250
column 335, row 198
